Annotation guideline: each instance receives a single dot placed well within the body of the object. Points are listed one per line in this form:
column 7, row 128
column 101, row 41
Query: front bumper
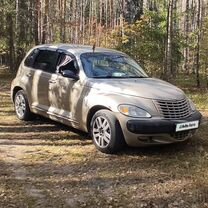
column 156, row 130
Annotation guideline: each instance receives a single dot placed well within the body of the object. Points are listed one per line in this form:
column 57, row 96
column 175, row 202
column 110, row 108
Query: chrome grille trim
column 174, row 109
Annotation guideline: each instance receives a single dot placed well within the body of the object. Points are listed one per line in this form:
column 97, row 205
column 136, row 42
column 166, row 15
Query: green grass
column 199, row 99
column 198, row 95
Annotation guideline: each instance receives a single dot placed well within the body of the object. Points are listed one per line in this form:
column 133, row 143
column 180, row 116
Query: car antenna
column 93, row 48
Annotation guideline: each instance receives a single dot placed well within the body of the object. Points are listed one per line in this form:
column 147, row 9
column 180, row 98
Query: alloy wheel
column 20, row 105
column 101, row 132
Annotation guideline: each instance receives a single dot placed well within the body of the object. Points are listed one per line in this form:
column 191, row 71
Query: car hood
column 141, row 87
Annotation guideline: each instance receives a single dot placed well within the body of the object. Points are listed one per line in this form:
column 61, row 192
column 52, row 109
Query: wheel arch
column 92, row 112
column 15, row 90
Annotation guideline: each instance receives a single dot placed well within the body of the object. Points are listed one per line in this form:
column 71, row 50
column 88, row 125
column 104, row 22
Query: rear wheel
column 106, row 132
column 22, row 108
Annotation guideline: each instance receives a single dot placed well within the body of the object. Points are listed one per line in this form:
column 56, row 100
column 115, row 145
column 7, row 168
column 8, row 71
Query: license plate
column 187, row 126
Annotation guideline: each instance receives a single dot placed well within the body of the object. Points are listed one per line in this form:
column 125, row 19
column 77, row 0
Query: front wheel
column 106, row 132
column 22, row 108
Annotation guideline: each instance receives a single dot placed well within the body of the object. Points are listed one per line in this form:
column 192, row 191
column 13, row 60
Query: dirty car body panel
column 71, row 83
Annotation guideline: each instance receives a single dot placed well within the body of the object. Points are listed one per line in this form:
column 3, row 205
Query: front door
column 64, row 93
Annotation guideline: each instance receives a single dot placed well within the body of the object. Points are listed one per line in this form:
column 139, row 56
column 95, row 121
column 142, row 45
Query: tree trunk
column 186, row 30
column 17, row 14
column 45, row 23
column 10, row 33
column 198, row 43
column 36, row 18
column 168, row 62
column 64, row 22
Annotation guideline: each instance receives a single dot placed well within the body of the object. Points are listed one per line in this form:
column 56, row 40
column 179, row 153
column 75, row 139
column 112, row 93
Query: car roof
column 76, row 49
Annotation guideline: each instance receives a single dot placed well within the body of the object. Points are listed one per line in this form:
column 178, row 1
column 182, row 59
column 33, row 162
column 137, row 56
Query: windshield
column 110, row 65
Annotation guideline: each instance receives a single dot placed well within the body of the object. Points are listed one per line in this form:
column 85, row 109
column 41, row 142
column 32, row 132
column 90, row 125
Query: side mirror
column 70, row 74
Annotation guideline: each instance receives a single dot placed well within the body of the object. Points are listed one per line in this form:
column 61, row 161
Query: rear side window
column 46, row 60
column 29, row 61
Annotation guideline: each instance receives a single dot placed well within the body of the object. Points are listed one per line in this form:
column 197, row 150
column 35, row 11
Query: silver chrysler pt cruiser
column 103, row 92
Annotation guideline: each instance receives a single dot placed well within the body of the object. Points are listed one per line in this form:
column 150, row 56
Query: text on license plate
column 187, row 125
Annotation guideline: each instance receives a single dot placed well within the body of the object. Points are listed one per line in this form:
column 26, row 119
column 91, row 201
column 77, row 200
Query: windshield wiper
column 117, row 77
column 103, row 77
column 134, row 77
column 138, row 77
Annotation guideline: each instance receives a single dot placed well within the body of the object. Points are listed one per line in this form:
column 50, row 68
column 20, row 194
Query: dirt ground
column 44, row 164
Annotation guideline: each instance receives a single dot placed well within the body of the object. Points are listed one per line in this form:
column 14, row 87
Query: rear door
column 44, row 66
column 28, row 75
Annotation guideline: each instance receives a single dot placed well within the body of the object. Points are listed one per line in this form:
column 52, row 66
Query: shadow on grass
column 149, row 179
column 39, row 124
column 47, row 130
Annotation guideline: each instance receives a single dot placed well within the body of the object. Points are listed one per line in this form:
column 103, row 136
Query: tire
column 106, row 132
column 21, row 105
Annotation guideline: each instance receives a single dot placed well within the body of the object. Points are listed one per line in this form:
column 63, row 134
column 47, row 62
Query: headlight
column 133, row 111
column 193, row 108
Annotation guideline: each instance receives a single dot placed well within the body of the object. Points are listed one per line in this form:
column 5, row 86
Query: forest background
column 168, row 37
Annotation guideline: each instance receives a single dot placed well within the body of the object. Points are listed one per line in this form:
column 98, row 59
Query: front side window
column 46, row 60
column 111, row 65
column 66, row 62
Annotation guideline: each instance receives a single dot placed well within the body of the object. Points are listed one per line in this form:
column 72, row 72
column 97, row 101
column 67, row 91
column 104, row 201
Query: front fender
column 111, row 101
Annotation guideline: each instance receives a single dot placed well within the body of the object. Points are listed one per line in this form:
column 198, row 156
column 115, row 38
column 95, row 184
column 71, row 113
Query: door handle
column 29, row 74
column 52, row 81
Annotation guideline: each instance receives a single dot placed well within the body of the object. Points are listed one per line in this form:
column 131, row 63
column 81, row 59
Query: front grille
column 183, row 135
column 174, row 109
